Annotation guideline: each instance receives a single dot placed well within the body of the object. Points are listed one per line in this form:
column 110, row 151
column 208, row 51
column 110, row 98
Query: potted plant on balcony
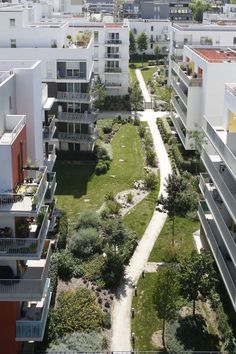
column 30, row 166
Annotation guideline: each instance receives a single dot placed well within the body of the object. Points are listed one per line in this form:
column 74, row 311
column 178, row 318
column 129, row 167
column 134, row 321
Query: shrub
column 110, row 196
column 141, row 131
column 88, row 218
column 129, row 198
column 53, row 275
column 105, row 213
column 106, row 323
column 137, row 121
column 93, row 268
column 66, row 264
column 101, row 168
column 107, row 129
column 113, row 269
column 148, row 140
column 151, row 158
column 150, row 180
column 76, row 310
column 114, row 207
column 85, row 242
column 101, row 153
column 62, row 232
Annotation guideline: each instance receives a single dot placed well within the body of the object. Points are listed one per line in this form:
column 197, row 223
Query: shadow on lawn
column 73, row 179
column 193, row 334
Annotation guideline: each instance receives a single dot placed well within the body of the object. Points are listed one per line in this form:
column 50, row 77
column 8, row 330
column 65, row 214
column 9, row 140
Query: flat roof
column 216, row 54
column 204, row 27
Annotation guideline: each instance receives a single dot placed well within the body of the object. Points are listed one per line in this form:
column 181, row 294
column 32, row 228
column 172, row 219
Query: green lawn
column 138, row 218
column 132, row 67
column 148, row 72
column 145, row 322
column 184, row 242
column 78, row 187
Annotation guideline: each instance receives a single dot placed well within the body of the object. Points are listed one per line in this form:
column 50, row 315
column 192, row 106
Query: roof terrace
column 216, row 55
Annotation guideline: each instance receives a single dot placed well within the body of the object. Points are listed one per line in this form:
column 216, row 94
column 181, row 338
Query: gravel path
column 121, row 321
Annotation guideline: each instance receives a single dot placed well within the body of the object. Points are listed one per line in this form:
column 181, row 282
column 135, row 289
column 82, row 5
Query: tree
column 88, row 218
column 198, row 7
column 85, row 242
column 157, row 51
column 166, row 296
column 174, row 186
column 142, row 42
column 198, row 141
column 132, row 44
column 197, row 276
column 136, row 97
column 100, row 91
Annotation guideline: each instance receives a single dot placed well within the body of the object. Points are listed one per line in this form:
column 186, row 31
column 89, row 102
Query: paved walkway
column 151, row 267
column 147, row 98
column 121, row 322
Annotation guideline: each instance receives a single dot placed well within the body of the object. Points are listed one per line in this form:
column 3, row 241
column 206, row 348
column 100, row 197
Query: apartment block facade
column 198, row 84
column 27, row 189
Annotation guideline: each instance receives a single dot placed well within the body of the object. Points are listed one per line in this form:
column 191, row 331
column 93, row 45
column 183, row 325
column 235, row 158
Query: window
column 151, row 28
column 12, row 22
column 151, row 46
column 234, row 40
column 13, row 43
column 10, row 103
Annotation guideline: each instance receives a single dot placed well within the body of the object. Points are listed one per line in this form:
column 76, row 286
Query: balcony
column 112, row 56
column 51, row 178
column 50, row 157
column 188, row 80
column 217, row 137
column 78, row 117
column 13, row 126
column 77, row 137
column 177, row 106
column 176, row 121
column 222, row 263
column 29, row 195
column 29, row 286
column 179, row 91
column 113, row 41
column 49, row 130
column 213, row 165
column 29, row 239
column 31, row 325
column 112, row 84
column 214, row 203
column 112, row 70
column 74, row 96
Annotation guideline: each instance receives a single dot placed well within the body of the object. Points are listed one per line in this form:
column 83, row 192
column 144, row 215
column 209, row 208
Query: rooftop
column 219, row 26
column 216, row 55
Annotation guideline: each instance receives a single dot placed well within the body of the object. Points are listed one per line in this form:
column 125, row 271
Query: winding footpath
column 121, row 314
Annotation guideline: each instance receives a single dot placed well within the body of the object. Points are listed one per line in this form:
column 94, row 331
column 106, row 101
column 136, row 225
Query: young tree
column 198, row 141
column 136, row 97
column 100, row 91
column 132, row 44
column 166, row 296
column 157, row 51
column 197, row 276
column 142, row 42
column 174, row 186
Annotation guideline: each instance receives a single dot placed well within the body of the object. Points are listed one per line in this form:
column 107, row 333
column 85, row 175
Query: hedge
column 62, row 232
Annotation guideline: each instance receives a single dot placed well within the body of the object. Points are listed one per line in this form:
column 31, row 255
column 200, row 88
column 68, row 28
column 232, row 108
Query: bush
column 150, row 180
column 110, row 196
column 62, row 232
column 106, row 323
column 53, row 275
column 148, row 140
column 113, row 269
column 102, row 153
column 76, row 310
column 129, row 198
column 101, row 168
column 66, row 264
column 151, row 158
column 107, row 129
column 136, row 121
column 85, row 242
column 114, row 207
column 141, row 131
column 88, row 218
column 93, row 268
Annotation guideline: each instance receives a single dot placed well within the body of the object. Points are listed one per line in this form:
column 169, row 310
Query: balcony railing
column 112, row 55
column 112, row 84
column 32, row 325
column 50, row 159
column 30, row 194
column 112, row 70
column 77, row 138
column 189, row 80
column 226, row 235
column 30, row 285
column 49, row 130
column 26, row 247
column 51, row 178
column 179, row 91
column 179, row 110
column 113, row 41
column 74, row 96
column 78, row 117
column 221, row 262
column 223, row 150
column 178, row 129
column 219, row 182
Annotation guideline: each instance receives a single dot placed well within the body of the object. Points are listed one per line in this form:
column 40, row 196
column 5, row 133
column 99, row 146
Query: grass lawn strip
column 78, row 188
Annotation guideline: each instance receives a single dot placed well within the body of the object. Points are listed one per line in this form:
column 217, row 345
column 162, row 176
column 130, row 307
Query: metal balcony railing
column 78, row 117
column 113, row 41
column 49, row 130
column 112, row 70
column 74, row 96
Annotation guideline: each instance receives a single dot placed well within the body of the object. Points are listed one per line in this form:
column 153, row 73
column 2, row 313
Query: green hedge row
column 62, row 231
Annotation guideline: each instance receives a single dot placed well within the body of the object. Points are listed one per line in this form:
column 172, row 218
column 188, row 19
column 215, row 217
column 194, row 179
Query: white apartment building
column 217, row 212
column 157, row 32
column 200, row 34
column 198, row 84
column 227, row 14
column 26, row 204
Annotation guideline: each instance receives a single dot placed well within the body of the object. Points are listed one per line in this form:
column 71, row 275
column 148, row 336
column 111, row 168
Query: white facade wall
column 156, row 30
